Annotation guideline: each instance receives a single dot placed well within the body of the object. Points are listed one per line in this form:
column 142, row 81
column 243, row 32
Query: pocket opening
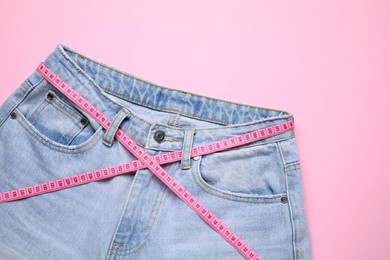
column 55, row 121
column 255, row 172
column 56, row 146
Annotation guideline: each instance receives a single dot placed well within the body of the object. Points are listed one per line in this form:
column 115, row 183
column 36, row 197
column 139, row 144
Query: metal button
column 196, row 158
column 50, row 96
column 84, row 121
column 284, row 199
column 159, row 136
column 13, row 114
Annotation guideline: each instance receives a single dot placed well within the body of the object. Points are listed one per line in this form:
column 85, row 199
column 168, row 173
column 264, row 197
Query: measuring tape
column 153, row 163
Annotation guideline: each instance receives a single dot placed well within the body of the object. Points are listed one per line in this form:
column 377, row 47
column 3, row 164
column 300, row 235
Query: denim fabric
column 134, row 216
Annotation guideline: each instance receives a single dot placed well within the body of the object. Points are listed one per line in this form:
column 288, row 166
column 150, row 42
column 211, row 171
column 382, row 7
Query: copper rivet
column 84, row 121
column 13, row 114
column 50, row 96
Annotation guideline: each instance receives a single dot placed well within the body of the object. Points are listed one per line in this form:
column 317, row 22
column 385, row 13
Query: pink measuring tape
column 153, row 163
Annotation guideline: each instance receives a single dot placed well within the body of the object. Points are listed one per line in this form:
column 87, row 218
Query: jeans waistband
column 98, row 82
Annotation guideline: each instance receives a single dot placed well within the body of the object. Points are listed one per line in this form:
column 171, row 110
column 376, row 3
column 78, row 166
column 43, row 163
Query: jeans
column 255, row 189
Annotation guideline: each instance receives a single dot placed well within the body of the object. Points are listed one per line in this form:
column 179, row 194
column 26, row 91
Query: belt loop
column 187, row 147
column 110, row 133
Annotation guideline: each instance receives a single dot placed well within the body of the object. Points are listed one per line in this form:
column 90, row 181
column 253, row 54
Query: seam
column 57, row 104
column 188, row 164
column 186, row 153
column 176, row 121
column 74, row 133
column 230, row 126
column 258, row 143
column 149, row 137
column 34, row 117
column 117, row 123
column 292, row 168
column 281, row 153
column 49, row 143
column 231, row 149
column 15, row 105
column 171, row 139
column 262, row 199
column 226, row 124
column 71, row 112
column 32, row 85
column 183, row 155
column 292, row 164
column 147, row 229
column 141, row 119
column 173, row 119
column 287, row 168
column 154, row 84
column 86, row 77
column 110, row 134
column 142, row 241
column 123, row 214
column 144, row 235
column 291, row 214
column 161, row 108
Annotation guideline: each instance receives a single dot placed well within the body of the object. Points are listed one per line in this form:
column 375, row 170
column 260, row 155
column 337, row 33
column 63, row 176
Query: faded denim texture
column 256, row 189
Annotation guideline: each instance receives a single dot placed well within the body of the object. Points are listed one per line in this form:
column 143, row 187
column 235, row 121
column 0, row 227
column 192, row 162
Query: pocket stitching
column 74, row 132
column 74, row 149
column 224, row 194
column 38, row 112
column 66, row 109
column 63, row 107
column 69, row 112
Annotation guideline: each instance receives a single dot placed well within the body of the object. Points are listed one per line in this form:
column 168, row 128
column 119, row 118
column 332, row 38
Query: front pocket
column 58, row 121
column 246, row 172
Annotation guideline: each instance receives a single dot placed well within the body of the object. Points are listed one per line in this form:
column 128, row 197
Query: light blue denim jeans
column 256, row 189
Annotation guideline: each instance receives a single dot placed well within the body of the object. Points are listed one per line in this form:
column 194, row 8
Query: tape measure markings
column 151, row 162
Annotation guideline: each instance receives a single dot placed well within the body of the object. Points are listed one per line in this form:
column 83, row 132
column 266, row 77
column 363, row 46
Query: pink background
column 327, row 62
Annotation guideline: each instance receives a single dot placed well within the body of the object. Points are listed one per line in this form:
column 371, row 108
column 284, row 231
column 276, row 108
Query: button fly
column 159, row 136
